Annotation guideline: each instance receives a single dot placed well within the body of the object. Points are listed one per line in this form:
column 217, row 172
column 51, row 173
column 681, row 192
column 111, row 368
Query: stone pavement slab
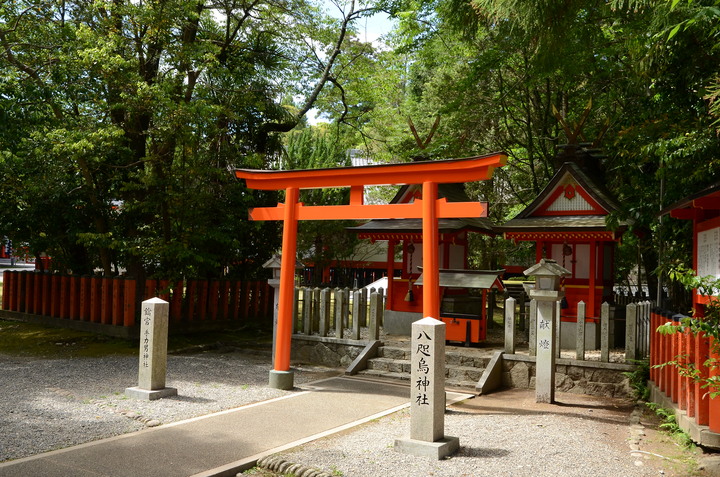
column 227, row 442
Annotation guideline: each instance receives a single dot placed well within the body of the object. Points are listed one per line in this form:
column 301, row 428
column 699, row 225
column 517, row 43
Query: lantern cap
column 547, row 267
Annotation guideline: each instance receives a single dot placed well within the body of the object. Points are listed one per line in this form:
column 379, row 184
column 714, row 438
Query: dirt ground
column 622, row 424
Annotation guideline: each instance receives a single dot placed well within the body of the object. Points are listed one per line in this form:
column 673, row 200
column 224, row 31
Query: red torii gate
column 429, row 209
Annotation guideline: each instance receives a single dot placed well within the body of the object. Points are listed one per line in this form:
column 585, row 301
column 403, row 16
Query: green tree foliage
column 121, row 118
column 321, row 242
column 638, row 78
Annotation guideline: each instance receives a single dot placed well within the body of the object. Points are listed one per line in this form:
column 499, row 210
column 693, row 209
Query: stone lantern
column 546, row 293
column 548, row 275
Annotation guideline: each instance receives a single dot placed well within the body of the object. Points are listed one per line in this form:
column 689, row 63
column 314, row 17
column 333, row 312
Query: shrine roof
column 708, row 197
column 583, row 207
column 557, row 223
column 380, row 226
column 484, row 279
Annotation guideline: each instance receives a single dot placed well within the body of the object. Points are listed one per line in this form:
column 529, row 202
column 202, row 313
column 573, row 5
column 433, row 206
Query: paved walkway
column 225, row 443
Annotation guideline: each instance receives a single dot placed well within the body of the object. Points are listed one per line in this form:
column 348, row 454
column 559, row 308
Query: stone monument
column 153, row 352
column 427, row 396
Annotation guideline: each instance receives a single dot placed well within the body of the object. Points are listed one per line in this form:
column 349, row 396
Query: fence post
column 357, row 305
column 374, row 321
column 558, row 328
column 213, row 299
column 8, row 299
column 37, row 295
column 532, row 332
column 510, row 325
column 46, row 290
column 340, row 306
column 522, row 319
column 580, row 335
column 346, row 308
column 129, row 298
column 316, row 309
column 296, row 311
column 106, row 301
column 363, row 307
column 307, row 310
column 74, row 298
column 55, row 296
column 646, row 321
column 95, row 303
column 324, row 311
column 631, row 314
column 381, row 307
column 605, row 332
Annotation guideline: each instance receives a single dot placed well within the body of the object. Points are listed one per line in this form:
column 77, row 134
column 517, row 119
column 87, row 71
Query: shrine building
column 567, row 223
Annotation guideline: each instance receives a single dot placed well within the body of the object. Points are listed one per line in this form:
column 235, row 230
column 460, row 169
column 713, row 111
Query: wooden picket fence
column 116, row 300
column 339, row 312
column 637, row 322
column 679, row 388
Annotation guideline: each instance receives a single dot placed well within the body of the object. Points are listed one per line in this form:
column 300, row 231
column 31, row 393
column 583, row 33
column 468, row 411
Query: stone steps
column 463, row 369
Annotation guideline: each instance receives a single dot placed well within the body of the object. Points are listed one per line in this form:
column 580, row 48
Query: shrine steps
column 463, row 367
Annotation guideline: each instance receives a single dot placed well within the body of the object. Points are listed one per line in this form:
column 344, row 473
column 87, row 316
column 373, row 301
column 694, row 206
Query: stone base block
column 282, row 380
column 150, row 395
column 436, row 450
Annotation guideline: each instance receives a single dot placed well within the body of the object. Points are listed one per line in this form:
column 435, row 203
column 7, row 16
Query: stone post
column 605, row 332
column 381, row 306
column 630, row 332
column 153, row 352
column 307, row 310
column 558, row 326
column 340, row 305
column 580, row 336
column 532, row 331
column 510, row 325
column 374, row 318
column 346, row 308
column 546, row 347
column 296, row 311
column 427, row 395
column 356, row 314
column 324, row 310
column 316, row 311
column 363, row 306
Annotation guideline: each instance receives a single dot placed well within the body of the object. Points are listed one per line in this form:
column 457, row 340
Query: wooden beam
column 413, row 210
column 447, row 171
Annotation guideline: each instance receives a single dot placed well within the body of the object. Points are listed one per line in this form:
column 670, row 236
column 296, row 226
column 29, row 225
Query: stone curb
column 275, row 463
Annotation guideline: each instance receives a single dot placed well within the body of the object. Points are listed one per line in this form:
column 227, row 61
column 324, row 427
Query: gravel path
column 497, row 445
column 48, row 404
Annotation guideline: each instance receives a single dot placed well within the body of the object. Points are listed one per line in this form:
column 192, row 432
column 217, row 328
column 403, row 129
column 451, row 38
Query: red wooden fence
column 114, row 301
column 686, row 348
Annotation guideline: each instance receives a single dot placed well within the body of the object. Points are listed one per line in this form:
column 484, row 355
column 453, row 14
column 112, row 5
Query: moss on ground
column 28, row 339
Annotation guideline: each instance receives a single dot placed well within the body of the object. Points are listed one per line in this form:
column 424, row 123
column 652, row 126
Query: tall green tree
column 122, row 117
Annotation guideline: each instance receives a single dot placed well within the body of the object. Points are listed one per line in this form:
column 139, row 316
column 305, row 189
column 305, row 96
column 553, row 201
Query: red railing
column 114, row 301
column 685, row 348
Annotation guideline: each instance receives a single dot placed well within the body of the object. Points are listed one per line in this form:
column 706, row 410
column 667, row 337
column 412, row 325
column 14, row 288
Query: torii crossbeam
column 429, row 209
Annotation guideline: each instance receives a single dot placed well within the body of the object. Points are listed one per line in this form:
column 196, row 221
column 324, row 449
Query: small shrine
column 404, row 302
column 567, row 223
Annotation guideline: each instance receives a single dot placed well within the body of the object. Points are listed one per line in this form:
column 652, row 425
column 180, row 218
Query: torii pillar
column 429, row 209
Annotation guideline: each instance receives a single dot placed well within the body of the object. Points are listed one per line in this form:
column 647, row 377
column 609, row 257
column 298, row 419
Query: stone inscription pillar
column 545, row 357
column 427, row 396
column 153, row 352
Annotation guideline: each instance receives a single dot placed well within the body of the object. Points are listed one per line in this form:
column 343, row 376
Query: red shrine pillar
column 431, row 272
column 281, row 377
